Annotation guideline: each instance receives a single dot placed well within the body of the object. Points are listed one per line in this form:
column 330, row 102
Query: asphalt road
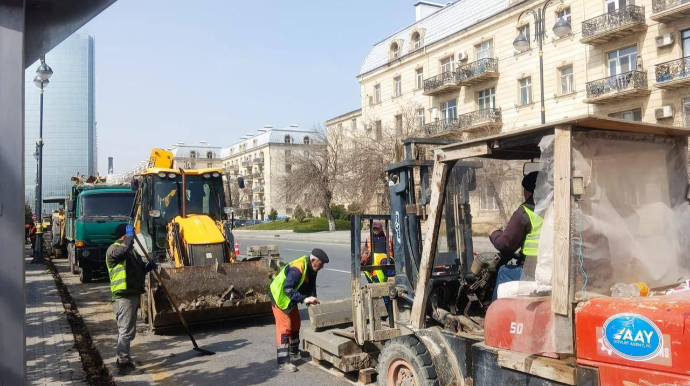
column 245, row 349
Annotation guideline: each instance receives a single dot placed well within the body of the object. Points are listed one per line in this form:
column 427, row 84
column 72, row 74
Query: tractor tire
column 71, row 256
column 85, row 275
column 405, row 361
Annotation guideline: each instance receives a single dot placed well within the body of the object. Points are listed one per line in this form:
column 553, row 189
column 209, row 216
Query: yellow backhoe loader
column 182, row 218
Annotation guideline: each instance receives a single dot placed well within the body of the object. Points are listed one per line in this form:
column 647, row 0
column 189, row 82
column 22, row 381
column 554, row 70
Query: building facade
column 196, row 156
column 261, row 159
column 69, row 122
column 458, row 69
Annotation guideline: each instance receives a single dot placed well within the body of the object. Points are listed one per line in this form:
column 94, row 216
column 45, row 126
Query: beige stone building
column 261, row 159
column 457, row 67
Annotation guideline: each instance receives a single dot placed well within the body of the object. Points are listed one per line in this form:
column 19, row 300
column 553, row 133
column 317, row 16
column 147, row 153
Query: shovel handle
column 165, row 290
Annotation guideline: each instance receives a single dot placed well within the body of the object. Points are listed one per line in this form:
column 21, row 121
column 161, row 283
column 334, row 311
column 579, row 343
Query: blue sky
column 213, row 70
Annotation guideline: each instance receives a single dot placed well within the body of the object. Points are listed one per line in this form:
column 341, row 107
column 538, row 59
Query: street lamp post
column 521, row 43
column 43, row 73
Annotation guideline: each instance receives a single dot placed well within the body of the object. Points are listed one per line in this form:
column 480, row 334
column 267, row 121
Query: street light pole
column 43, row 73
column 521, row 43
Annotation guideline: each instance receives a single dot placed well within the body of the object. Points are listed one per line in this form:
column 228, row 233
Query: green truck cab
column 93, row 212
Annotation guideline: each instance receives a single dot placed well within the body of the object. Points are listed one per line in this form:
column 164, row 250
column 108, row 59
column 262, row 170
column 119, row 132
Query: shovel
column 172, row 302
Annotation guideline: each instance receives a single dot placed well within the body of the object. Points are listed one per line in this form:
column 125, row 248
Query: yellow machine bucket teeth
column 211, row 293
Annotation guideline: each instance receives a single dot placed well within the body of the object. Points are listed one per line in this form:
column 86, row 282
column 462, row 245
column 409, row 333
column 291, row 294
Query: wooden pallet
column 360, row 377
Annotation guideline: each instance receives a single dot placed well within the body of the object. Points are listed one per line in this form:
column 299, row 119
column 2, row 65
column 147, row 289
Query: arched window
column 256, row 142
column 193, row 154
column 288, row 139
column 209, row 154
column 307, row 140
column 416, row 40
column 395, row 50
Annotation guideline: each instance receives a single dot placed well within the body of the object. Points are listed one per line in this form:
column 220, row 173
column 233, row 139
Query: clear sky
column 213, row 70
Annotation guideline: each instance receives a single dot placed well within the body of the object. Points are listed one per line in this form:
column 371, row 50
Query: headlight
column 85, row 253
column 172, row 175
column 207, row 175
column 216, row 174
column 161, row 174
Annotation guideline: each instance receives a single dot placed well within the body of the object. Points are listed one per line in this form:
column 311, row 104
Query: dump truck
column 613, row 196
column 181, row 217
column 94, row 209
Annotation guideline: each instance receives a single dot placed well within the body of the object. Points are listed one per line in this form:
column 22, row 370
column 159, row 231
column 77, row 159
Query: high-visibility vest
column 530, row 248
column 277, row 290
column 378, row 273
column 117, row 273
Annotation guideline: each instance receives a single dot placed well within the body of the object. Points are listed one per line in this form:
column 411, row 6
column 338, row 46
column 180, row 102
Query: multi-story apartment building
column 261, row 159
column 458, row 68
column 196, row 156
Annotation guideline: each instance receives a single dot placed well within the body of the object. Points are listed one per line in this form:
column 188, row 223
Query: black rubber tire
column 85, row 275
column 71, row 252
column 411, row 350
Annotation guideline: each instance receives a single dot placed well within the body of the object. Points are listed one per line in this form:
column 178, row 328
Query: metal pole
column 39, row 189
column 540, row 37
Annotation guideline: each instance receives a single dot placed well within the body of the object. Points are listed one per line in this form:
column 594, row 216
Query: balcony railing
column 618, row 87
column 673, row 74
column 444, row 82
column 479, row 71
column 465, row 122
column 440, row 126
column 258, row 204
column 614, row 24
column 245, row 164
column 258, row 161
column 666, row 11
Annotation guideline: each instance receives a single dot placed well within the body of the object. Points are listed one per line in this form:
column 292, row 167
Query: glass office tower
column 69, row 123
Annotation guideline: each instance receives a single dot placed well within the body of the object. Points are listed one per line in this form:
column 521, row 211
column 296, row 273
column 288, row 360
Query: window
column 630, row 115
column 354, row 123
column 566, row 80
column 615, row 5
column 288, row 153
column 255, row 142
column 564, row 14
column 395, row 51
column 192, row 154
column 209, row 165
column 377, row 93
column 487, row 199
column 419, row 79
column 685, row 42
column 449, row 109
column 525, row 31
column 525, row 86
column 307, row 140
column 209, row 154
column 379, row 130
column 447, row 65
column 486, row 99
column 288, row 168
column 398, row 124
column 485, row 49
column 416, row 40
column 686, row 111
column 622, row 61
column 397, row 86
column 288, row 139
column 420, row 118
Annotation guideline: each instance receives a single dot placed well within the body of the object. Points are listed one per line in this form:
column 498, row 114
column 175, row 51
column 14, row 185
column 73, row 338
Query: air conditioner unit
column 664, row 40
column 462, row 56
column 434, row 113
column 664, row 112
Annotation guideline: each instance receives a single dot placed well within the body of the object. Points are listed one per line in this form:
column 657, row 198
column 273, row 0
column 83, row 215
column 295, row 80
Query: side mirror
column 134, row 184
column 530, row 167
column 240, row 182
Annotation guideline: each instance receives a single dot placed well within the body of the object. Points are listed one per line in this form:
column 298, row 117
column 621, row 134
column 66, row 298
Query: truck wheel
column 71, row 255
column 405, row 361
column 85, row 275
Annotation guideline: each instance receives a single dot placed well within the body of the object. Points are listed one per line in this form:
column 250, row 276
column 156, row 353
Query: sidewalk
column 52, row 358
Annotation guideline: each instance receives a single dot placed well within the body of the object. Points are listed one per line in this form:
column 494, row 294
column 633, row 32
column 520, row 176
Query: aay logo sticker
column 631, row 336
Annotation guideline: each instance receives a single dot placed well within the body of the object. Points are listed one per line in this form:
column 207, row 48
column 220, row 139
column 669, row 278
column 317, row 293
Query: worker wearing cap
column 127, row 271
column 294, row 284
column 523, row 231
column 379, row 243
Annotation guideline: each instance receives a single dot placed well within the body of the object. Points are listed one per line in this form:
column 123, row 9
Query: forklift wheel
column 405, row 361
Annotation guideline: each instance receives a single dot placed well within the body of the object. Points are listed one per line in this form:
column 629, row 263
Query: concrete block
column 327, row 341
column 332, row 313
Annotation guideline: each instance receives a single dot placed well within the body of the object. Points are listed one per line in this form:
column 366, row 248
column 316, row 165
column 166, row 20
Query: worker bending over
column 294, row 284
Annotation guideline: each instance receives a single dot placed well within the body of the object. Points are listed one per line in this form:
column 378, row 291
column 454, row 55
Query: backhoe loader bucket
column 210, row 293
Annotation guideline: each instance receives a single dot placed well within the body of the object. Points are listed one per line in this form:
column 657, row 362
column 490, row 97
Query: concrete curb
column 290, row 236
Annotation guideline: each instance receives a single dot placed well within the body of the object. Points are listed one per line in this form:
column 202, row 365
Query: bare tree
column 501, row 179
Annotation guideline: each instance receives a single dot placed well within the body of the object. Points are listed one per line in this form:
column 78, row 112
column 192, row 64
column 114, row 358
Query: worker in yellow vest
column 294, row 284
column 523, row 232
column 127, row 271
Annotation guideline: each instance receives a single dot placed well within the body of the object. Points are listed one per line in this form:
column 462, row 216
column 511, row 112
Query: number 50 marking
column 516, row 328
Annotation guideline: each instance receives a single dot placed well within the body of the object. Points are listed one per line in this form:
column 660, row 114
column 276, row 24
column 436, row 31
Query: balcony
column 259, row 190
column 258, row 204
column 245, row 205
column 258, row 161
column 667, row 11
column 615, row 88
column 232, row 167
column 440, row 84
column 245, row 164
column 613, row 25
column 477, row 72
column 480, row 119
column 673, row 74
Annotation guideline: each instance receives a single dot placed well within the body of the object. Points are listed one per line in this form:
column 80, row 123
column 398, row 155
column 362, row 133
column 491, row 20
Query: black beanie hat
column 120, row 231
column 320, row 254
column 529, row 182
